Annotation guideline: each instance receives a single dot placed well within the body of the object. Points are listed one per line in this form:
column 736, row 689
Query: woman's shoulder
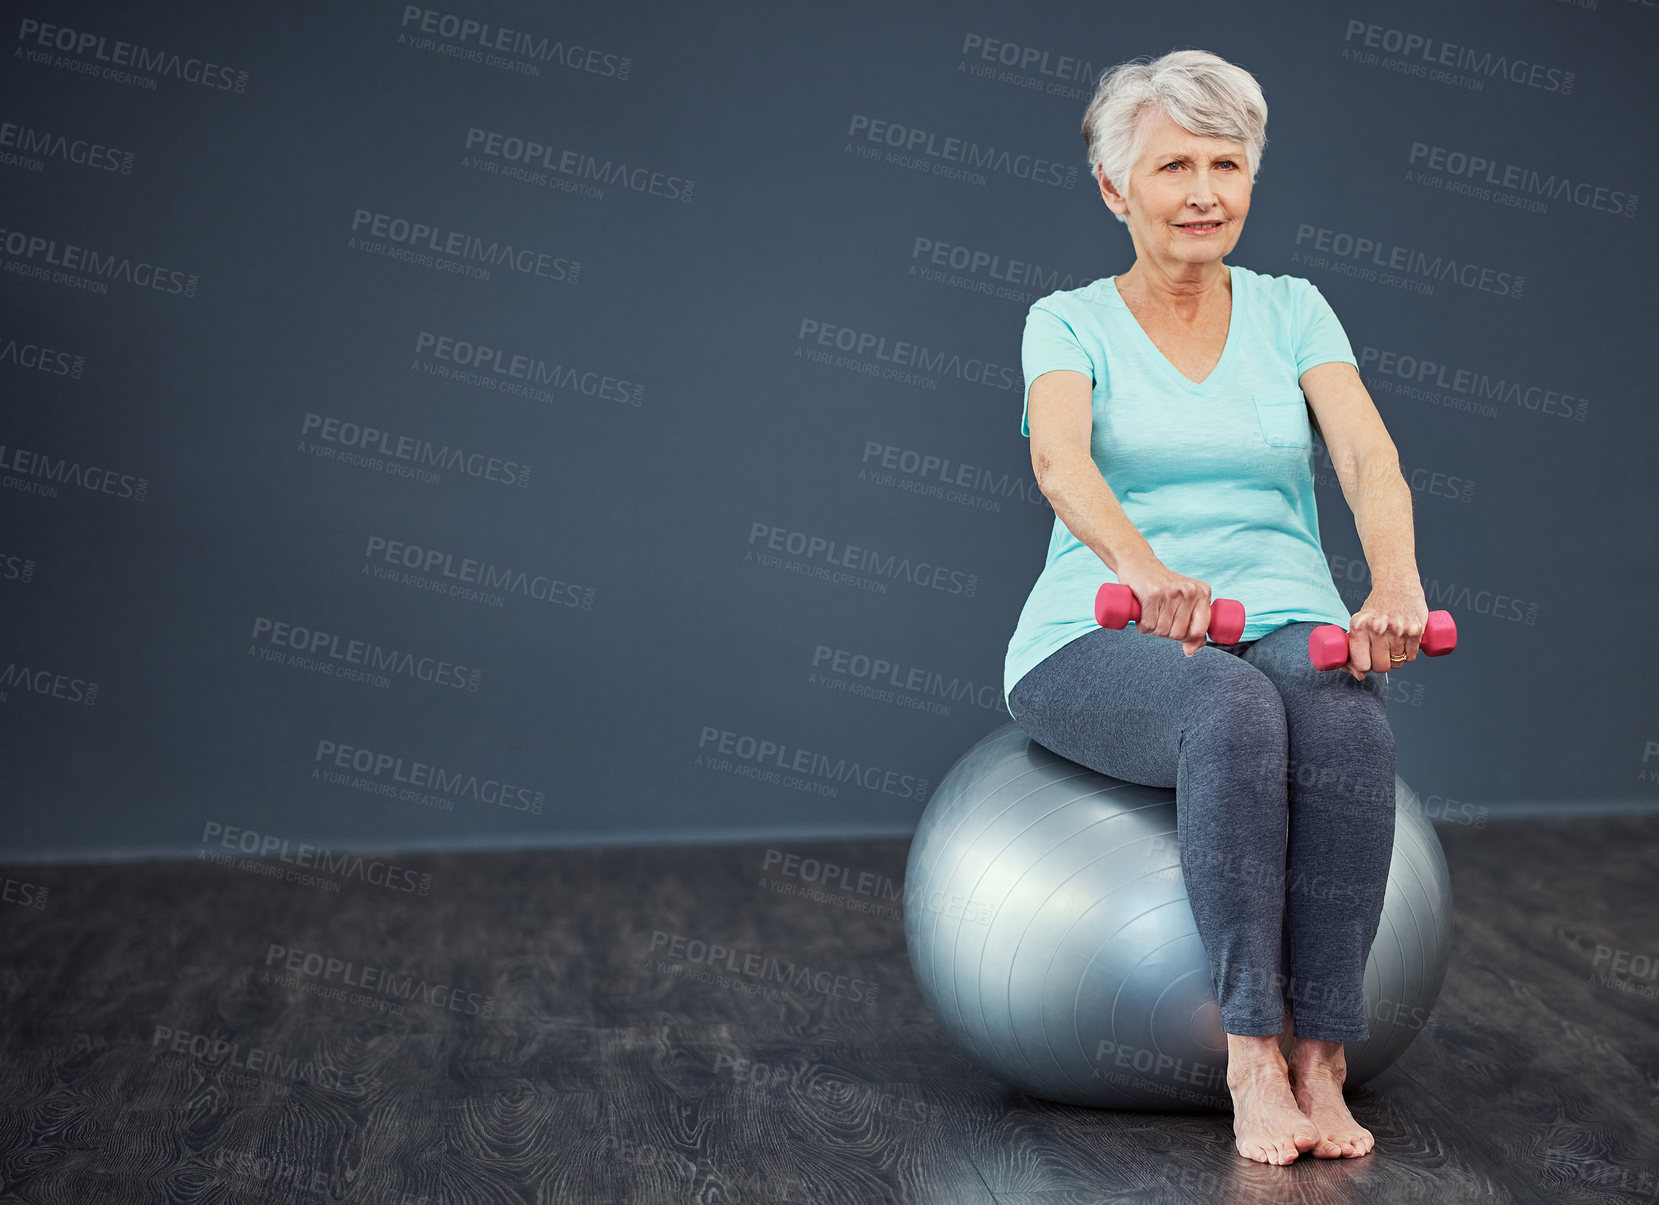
column 1283, row 289
column 1096, row 293
column 1281, row 303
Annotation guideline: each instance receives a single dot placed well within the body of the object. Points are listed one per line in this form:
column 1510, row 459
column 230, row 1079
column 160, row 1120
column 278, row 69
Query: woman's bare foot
column 1268, row 1126
column 1317, row 1071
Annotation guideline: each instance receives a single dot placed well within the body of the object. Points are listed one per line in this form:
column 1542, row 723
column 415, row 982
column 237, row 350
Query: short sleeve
column 1320, row 338
column 1049, row 343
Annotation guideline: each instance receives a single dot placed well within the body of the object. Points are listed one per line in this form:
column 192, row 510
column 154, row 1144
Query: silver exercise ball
column 1050, row 933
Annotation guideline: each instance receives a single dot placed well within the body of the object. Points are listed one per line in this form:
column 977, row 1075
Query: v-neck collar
column 1174, row 373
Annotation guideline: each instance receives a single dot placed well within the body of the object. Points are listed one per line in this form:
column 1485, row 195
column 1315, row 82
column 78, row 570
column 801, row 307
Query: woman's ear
column 1114, row 199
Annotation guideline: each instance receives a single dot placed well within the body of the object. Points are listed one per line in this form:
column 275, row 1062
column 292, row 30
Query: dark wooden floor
column 155, row 1048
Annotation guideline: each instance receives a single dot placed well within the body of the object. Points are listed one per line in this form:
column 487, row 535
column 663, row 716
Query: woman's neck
column 1184, row 296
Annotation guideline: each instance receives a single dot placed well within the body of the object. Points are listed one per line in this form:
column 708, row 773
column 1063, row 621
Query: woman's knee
column 1346, row 718
column 1344, row 751
column 1242, row 709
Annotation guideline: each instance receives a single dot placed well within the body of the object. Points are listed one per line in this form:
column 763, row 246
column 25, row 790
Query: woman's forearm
column 1086, row 505
column 1381, row 501
column 1375, row 490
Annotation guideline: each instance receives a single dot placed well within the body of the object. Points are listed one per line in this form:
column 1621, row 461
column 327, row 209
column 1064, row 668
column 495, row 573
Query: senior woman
column 1168, row 412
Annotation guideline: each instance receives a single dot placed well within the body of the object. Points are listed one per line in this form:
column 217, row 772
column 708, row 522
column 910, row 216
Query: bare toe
column 1318, row 1093
column 1267, row 1124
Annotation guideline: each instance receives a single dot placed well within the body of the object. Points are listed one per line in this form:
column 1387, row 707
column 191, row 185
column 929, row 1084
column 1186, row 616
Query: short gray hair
column 1197, row 90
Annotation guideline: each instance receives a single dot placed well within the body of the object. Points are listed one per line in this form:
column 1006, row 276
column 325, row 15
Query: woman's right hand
column 1171, row 604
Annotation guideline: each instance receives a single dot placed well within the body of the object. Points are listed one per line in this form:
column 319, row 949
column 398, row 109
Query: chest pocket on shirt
column 1283, row 415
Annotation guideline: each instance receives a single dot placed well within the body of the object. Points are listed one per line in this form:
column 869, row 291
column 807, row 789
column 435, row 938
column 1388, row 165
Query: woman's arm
column 1060, row 413
column 1368, row 468
column 1061, row 417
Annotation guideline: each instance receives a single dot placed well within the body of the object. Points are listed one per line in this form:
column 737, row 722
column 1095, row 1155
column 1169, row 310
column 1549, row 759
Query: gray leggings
column 1255, row 742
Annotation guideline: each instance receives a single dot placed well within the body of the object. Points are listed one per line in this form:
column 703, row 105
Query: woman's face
column 1186, row 196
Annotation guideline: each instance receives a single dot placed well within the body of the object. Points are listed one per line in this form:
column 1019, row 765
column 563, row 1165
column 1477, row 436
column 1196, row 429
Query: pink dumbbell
column 1328, row 644
column 1115, row 604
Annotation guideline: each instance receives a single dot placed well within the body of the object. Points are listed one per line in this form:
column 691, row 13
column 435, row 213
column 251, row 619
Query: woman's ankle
column 1318, row 1053
column 1250, row 1053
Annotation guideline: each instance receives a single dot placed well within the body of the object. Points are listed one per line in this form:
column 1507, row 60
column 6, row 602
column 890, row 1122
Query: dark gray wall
column 210, row 291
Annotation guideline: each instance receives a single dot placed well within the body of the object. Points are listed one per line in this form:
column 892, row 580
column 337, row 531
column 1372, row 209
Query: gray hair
column 1197, row 90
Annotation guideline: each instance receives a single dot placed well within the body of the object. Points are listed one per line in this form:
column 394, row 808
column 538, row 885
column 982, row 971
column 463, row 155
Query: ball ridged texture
column 1050, row 934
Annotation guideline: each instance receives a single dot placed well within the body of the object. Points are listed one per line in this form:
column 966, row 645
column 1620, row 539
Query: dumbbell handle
column 1328, row 644
column 1115, row 604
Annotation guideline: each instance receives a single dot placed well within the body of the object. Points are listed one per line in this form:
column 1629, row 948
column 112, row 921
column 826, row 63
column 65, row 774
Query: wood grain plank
column 153, row 1048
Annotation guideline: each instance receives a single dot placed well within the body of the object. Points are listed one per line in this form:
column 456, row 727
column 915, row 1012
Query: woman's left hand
column 1383, row 634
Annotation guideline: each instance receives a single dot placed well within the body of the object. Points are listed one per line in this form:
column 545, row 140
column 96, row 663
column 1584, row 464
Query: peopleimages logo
column 405, row 986
column 19, row 142
column 48, row 361
column 762, row 966
column 35, row 255
column 224, row 1052
column 453, row 250
column 833, row 553
column 769, row 761
column 23, row 893
column 1400, row 267
column 1435, row 53
column 922, row 146
column 1027, row 58
column 1455, row 598
column 478, row 41
column 529, row 153
column 39, row 473
column 990, row 272
column 47, row 683
column 16, row 568
column 1420, row 378
column 1028, row 67
column 342, row 657
column 304, row 856
column 94, row 49
column 856, row 672
column 416, row 457
column 396, row 774
column 1465, row 171
column 1433, row 482
column 901, row 353
column 938, row 476
column 518, row 374
column 446, row 567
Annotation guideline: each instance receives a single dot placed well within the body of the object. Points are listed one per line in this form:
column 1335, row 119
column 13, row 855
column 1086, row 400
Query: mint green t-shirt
column 1217, row 476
